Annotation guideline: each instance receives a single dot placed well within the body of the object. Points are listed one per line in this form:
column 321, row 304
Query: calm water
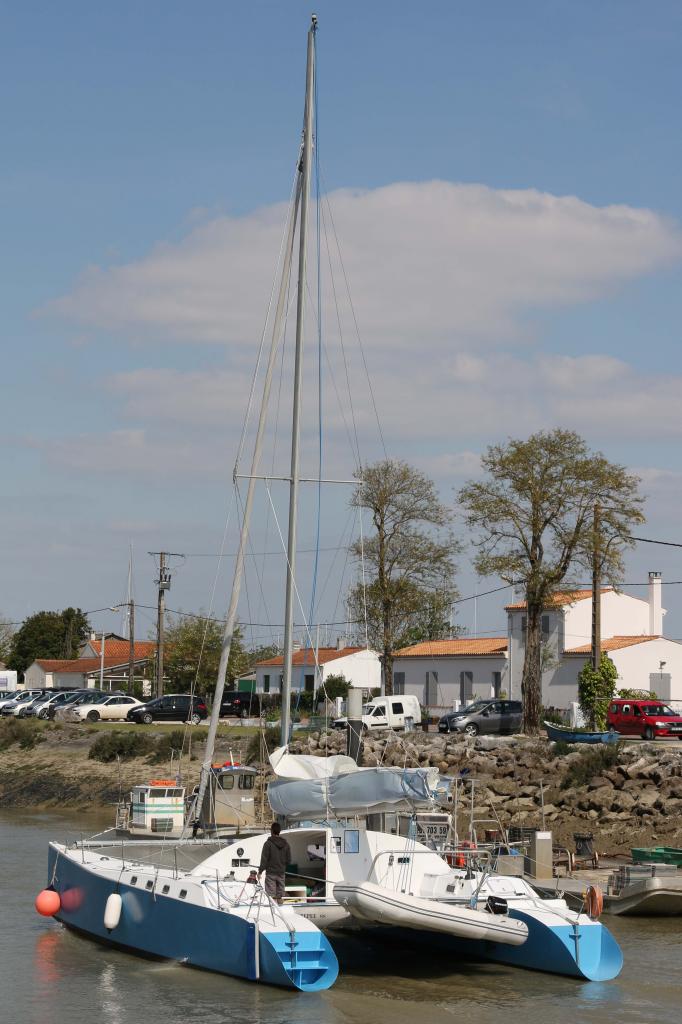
column 50, row 976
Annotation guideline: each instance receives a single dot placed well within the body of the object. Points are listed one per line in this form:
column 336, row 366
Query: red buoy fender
column 48, row 902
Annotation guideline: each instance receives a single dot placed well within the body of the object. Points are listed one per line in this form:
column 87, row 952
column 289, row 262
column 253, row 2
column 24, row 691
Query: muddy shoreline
column 635, row 801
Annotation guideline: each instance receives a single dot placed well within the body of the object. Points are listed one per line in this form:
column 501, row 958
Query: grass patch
column 17, row 730
column 125, row 745
column 592, row 762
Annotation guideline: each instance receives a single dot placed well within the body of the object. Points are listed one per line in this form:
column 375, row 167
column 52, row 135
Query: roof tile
column 460, row 646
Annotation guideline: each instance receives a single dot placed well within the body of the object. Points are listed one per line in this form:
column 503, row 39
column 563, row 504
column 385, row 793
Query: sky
column 501, row 222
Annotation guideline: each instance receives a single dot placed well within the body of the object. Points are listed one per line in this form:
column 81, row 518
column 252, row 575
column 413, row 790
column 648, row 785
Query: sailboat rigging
column 214, row 922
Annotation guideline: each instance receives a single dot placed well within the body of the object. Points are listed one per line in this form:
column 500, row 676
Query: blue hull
column 164, row 927
column 595, row 956
column 556, row 733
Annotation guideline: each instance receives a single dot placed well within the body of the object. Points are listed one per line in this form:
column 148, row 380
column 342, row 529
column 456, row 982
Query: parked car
column 62, row 712
column 484, row 716
column 109, row 709
column 645, row 718
column 173, row 707
column 32, row 707
column 242, row 703
column 20, row 699
column 54, row 700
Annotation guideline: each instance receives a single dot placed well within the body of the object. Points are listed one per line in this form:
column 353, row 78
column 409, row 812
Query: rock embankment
column 627, row 795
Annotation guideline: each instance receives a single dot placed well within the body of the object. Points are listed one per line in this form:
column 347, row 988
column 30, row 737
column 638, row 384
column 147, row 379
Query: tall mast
column 255, row 462
column 306, row 160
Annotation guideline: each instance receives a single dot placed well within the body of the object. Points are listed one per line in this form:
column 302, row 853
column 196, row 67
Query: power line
column 665, row 543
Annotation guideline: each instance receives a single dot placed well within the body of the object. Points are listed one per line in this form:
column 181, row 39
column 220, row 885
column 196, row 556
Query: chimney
column 655, row 610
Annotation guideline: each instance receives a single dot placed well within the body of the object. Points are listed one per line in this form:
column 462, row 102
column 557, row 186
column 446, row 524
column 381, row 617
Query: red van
column 645, row 718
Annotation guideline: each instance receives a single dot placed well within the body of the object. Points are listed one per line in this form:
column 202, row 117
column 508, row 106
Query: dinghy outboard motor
column 496, row 905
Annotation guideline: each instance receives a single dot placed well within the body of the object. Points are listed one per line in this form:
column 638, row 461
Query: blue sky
column 538, row 284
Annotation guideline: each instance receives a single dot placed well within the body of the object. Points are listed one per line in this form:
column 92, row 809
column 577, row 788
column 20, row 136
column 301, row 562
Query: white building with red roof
column 84, row 672
column 448, row 673
column 359, row 666
column 631, row 635
column 443, row 674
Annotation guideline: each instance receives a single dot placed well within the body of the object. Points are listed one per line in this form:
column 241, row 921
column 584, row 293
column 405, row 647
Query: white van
column 387, row 713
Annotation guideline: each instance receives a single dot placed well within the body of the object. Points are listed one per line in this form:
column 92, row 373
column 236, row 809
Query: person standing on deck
column 273, row 861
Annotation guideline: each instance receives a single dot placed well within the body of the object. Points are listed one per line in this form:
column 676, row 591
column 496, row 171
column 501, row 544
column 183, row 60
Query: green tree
column 595, row 691
column 409, row 559
column 334, row 686
column 192, row 654
column 263, row 653
column 49, row 635
column 533, row 513
column 6, row 634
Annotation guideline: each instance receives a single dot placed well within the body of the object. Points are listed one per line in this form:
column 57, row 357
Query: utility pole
column 131, row 647
column 596, row 592
column 101, row 664
column 163, row 583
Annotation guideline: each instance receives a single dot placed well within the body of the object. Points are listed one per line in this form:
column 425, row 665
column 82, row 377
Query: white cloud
column 428, row 264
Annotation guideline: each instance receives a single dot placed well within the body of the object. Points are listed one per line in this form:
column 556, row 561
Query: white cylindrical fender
column 112, row 911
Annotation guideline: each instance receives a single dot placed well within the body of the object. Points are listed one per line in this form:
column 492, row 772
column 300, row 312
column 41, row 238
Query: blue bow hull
column 155, row 925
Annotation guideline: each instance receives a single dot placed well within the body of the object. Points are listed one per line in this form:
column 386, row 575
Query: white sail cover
column 306, row 766
column 311, row 787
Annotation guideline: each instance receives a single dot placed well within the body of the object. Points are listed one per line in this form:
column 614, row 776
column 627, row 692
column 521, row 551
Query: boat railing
column 123, row 816
column 470, row 855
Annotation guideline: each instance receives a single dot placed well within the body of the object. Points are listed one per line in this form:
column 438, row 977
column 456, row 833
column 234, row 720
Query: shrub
column 26, row 734
column 126, row 745
column 634, row 694
column 561, row 748
column 596, row 689
column 334, row 686
column 173, row 741
column 592, row 762
column 253, row 751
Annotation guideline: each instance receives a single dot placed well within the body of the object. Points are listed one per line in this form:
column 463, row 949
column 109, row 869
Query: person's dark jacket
column 275, row 856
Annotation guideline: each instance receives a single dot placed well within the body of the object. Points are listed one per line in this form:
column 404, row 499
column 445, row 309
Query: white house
column 85, row 671
column 631, row 634
column 449, row 673
column 357, row 665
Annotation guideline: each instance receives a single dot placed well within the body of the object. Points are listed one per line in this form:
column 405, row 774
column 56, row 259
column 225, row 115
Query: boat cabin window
column 183, row 893
column 351, row 841
column 158, row 794
column 165, row 889
column 133, row 880
column 246, row 781
column 226, row 782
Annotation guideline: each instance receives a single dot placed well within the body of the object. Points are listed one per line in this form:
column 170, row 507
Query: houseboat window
column 246, row 781
column 226, row 782
column 351, row 840
column 183, row 893
column 133, row 880
column 165, row 889
column 150, row 884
